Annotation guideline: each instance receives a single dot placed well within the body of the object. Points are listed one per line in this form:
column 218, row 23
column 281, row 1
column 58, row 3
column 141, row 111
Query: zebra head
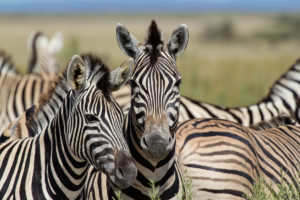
column 95, row 121
column 155, row 82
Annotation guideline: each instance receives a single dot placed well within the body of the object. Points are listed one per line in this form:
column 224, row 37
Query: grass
column 264, row 191
column 118, row 195
column 187, row 183
column 153, row 194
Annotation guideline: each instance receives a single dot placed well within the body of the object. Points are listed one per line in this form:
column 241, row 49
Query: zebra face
column 155, row 104
column 154, row 82
column 95, row 124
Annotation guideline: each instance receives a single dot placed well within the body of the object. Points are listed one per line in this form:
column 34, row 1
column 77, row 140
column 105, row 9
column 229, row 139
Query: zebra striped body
column 223, row 158
column 281, row 99
column 87, row 130
column 20, row 92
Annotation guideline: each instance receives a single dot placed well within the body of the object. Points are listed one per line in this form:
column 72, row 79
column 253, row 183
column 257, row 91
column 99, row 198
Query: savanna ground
column 231, row 59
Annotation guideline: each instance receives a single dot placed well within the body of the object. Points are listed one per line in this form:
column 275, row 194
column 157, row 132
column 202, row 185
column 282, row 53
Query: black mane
column 154, row 39
column 97, row 66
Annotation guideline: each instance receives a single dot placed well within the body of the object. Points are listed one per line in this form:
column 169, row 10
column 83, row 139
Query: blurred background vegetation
column 231, row 59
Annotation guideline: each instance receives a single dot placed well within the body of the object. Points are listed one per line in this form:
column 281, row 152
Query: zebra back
column 224, row 159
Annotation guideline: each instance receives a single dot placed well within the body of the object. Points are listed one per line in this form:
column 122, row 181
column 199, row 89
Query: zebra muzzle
column 156, row 145
column 125, row 171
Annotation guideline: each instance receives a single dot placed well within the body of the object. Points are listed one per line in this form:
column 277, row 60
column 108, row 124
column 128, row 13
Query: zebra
column 41, row 59
column 152, row 118
column 281, row 99
column 86, row 131
column 224, row 159
column 18, row 92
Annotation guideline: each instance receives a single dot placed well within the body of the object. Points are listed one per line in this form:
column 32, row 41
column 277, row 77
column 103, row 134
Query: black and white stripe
column 18, row 92
column 87, row 129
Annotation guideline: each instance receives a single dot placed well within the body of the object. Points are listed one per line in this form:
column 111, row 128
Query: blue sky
column 82, row 6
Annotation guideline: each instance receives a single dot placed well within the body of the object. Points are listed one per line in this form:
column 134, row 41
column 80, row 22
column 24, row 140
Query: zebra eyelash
column 91, row 118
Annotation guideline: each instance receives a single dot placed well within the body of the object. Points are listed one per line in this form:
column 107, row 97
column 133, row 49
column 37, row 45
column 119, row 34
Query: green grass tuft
column 264, row 191
column 155, row 190
column 118, row 194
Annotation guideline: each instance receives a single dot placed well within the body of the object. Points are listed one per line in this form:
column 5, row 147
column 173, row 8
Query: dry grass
column 225, row 73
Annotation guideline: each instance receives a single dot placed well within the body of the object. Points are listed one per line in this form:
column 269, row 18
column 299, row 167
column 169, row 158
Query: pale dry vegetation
column 229, row 65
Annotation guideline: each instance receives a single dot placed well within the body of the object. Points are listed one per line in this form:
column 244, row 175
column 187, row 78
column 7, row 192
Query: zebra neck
column 262, row 111
column 287, row 87
column 50, row 108
column 65, row 173
column 163, row 173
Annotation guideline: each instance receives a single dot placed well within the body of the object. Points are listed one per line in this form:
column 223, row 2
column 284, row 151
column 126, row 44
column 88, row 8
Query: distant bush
column 285, row 27
column 221, row 32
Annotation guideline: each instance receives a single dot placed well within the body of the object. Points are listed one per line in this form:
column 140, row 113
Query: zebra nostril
column 144, row 143
column 120, row 173
column 170, row 140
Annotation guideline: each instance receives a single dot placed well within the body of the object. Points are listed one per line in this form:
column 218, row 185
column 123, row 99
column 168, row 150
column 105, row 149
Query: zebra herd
column 69, row 136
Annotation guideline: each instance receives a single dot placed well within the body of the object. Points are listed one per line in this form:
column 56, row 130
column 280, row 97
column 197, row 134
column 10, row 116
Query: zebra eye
column 91, row 118
column 133, row 84
column 177, row 84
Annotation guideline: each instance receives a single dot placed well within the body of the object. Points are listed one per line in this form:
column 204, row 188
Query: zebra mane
column 154, row 41
column 97, row 67
column 60, row 81
column 6, row 63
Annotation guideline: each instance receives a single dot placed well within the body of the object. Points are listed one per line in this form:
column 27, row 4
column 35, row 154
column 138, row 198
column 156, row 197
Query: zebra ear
column 120, row 75
column 76, row 73
column 179, row 40
column 127, row 43
column 56, row 43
